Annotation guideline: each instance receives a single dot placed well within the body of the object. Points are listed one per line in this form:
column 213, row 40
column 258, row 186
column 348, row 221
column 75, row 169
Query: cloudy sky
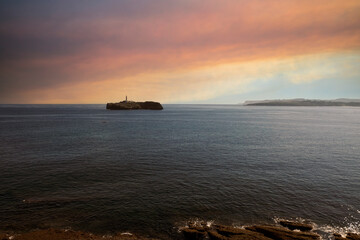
column 178, row 51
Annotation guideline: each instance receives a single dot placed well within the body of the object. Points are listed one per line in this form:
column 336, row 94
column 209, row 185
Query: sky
column 178, row 51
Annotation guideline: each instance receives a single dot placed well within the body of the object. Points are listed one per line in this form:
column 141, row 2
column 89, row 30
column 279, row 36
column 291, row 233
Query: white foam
column 298, row 219
column 327, row 231
column 209, row 223
column 195, row 223
column 353, row 227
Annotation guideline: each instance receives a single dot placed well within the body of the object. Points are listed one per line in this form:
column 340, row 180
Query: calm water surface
column 92, row 169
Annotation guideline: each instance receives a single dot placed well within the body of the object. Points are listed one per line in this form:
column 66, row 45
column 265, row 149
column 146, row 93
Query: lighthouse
column 126, row 99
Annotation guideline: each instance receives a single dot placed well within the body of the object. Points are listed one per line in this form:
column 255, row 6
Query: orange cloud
column 200, row 84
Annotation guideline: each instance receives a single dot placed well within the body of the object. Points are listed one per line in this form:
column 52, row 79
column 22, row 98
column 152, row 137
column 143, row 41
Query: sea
column 86, row 168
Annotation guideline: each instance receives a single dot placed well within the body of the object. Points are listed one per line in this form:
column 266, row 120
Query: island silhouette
column 132, row 105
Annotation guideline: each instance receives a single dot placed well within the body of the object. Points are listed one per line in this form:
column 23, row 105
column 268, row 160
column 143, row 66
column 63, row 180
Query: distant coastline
column 305, row 102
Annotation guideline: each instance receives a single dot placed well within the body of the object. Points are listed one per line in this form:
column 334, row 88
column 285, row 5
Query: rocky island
column 131, row 105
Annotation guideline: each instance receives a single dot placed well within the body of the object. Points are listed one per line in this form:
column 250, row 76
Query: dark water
column 87, row 168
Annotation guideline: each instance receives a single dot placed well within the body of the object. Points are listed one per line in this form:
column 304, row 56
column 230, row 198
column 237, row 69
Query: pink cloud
column 169, row 36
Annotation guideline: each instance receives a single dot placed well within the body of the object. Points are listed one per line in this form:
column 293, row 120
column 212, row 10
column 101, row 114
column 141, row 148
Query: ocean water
column 149, row 172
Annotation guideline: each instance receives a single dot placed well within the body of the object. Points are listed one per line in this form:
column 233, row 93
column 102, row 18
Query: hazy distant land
column 305, row 102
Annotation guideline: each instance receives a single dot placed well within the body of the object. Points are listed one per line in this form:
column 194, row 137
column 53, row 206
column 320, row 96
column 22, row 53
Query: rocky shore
column 284, row 230
column 130, row 105
column 57, row 234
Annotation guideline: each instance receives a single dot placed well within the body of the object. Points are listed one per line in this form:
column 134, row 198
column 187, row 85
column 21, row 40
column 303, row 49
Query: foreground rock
column 296, row 225
column 225, row 232
column 194, row 233
column 349, row 236
column 128, row 105
column 281, row 233
column 288, row 231
column 55, row 234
